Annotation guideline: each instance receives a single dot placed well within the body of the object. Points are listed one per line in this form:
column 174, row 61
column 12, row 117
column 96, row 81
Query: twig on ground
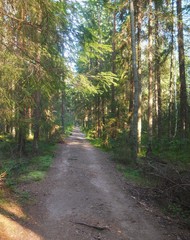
column 92, row 226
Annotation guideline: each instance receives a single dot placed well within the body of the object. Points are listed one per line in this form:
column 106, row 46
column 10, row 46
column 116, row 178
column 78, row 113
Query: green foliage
column 32, row 176
column 24, row 196
column 26, row 169
column 90, row 135
column 43, row 162
column 176, row 151
column 177, row 211
column 97, row 142
column 135, row 175
column 69, row 128
column 84, row 86
column 105, row 80
column 29, row 168
column 32, row 67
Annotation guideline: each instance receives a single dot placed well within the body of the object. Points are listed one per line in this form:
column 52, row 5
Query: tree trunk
column 63, row 110
column 157, row 77
column 150, row 68
column 21, row 133
column 139, row 73
column 113, row 105
column 134, row 132
column 37, row 94
column 183, row 89
column 22, row 111
column 98, row 117
column 171, row 84
column 37, row 116
column 131, row 97
column 30, row 124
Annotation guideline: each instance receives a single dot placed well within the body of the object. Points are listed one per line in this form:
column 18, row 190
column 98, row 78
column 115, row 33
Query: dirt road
column 82, row 198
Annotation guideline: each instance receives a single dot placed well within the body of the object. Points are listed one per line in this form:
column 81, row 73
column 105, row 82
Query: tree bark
column 139, row 73
column 171, row 84
column 183, row 89
column 134, row 132
column 113, row 105
column 150, row 69
column 131, row 98
column 37, row 117
column 157, row 77
column 98, row 117
column 21, row 108
column 37, row 94
column 21, row 133
column 63, row 110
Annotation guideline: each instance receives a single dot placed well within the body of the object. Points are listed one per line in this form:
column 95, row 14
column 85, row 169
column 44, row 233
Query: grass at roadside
column 135, row 175
column 68, row 130
column 95, row 141
column 24, row 170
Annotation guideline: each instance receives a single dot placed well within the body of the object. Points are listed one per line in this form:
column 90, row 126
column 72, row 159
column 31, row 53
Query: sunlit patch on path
column 13, row 224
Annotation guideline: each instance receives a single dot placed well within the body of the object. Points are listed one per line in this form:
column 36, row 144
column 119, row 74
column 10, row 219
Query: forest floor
column 84, row 197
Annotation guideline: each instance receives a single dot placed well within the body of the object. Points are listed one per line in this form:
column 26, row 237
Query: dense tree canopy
column 134, row 66
column 31, row 66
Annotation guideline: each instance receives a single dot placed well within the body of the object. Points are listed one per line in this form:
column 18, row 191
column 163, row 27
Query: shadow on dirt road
column 82, row 198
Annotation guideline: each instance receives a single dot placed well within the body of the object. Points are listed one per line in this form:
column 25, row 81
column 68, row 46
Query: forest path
column 82, row 198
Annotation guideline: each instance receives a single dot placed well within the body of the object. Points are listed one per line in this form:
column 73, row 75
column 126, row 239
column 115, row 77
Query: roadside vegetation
column 16, row 170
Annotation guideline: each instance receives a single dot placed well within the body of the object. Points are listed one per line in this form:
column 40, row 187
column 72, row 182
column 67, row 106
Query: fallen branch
column 100, row 228
column 162, row 176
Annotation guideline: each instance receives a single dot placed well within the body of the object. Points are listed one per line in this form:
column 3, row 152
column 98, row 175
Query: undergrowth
column 176, row 151
column 130, row 173
column 135, row 175
column 28, row 168
column 95, row 141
